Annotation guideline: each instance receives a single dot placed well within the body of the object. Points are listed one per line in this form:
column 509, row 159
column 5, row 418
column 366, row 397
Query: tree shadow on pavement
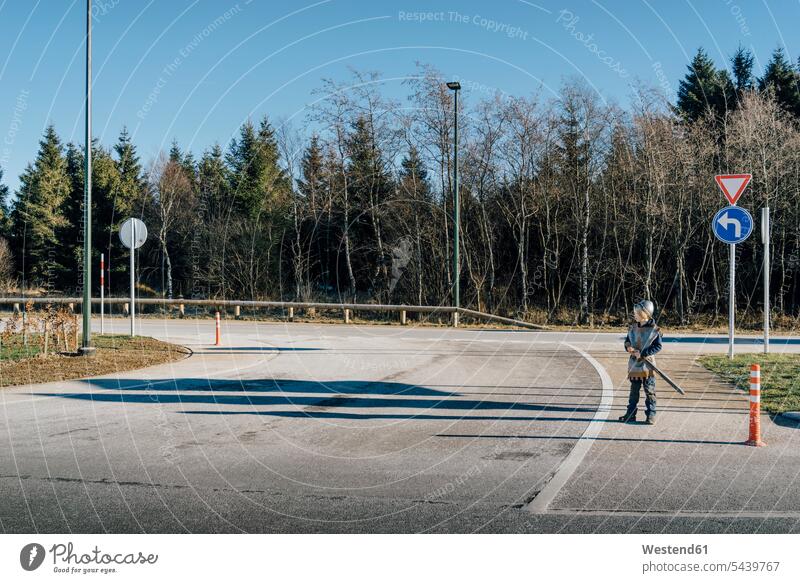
column 332, row 395
column 260, row 349
column 267, row 386
column 307, row 414
column 337, row 401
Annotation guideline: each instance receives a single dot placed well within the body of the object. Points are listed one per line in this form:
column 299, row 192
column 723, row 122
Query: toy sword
column 663, row 375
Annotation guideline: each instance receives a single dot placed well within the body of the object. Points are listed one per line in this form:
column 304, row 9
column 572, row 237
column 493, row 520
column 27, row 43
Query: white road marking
column 539, row 504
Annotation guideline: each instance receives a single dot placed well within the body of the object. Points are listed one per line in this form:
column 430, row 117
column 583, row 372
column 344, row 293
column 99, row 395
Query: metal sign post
column 133, row 234
column 133, row 281
column 732, row 225
column 765, row 241
column 732, row 301
column 102, row 292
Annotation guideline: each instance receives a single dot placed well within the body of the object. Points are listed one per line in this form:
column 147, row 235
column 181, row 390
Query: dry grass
column 780, row 377
column 114, row 354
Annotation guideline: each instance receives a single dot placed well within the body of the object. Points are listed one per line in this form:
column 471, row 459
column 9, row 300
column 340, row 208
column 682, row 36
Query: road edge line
column 547, row 494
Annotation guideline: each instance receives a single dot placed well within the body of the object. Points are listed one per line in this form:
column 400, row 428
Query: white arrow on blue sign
column 732, row 224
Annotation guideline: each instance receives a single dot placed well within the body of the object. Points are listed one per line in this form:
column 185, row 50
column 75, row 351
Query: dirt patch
column 114, row 354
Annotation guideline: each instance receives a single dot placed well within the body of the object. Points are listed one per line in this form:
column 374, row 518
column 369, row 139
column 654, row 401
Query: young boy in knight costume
column 643, row 341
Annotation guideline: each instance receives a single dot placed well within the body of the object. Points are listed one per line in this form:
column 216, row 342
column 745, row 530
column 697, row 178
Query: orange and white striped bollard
column 755, row 407
column 219, row 332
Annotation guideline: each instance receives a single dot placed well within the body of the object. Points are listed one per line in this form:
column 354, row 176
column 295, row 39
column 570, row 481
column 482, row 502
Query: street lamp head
column 454, row 85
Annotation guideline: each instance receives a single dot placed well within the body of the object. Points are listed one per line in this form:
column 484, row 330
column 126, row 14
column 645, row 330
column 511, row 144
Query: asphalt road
column 332, row 428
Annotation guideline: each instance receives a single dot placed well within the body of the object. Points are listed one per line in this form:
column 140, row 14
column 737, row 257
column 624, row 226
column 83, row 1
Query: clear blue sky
column 193, row 70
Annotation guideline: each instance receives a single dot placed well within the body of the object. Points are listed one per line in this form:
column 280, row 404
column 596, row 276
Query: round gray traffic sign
column 133, row 233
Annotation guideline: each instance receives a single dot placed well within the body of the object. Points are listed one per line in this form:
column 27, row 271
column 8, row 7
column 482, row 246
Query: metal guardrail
column 503, row 320
column 291, row 306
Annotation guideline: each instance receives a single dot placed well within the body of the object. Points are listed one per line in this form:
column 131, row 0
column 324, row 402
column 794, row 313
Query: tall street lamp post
column 86, row 343
column 455, row 86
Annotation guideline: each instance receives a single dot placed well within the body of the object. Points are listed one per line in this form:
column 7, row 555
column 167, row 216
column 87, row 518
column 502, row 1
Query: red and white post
column 755, row 407
column 102, row 291
column 218, row 341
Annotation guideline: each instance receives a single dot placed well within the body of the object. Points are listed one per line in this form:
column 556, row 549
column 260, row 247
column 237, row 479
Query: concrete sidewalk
column 691, row 464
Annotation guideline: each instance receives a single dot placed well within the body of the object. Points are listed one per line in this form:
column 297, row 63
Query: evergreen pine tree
column 111, row 206
column 209, row 243
column 6, row 257
column 742, row 67
column 175, row 153
column 131, row 181
column 189, row 165
column 415, row 186
column 371, row 181
column 69, row 257
column 315, row 232
column 782, row 80
column 258, row 183
column 37, row 216
column 187, row 162
column 274, row 180
column 212, row 181
column 704, row 89
column 371, row 186
column 105, row 194
column 312, row 179
column 414, row 183
column 241, row 159
column 3, row 206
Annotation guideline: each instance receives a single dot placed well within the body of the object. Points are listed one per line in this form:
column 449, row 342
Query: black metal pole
column 86, row 309
column 455, row 86
column 456, row 214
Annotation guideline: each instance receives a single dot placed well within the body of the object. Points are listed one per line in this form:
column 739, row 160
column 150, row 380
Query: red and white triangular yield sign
column 733, row 185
